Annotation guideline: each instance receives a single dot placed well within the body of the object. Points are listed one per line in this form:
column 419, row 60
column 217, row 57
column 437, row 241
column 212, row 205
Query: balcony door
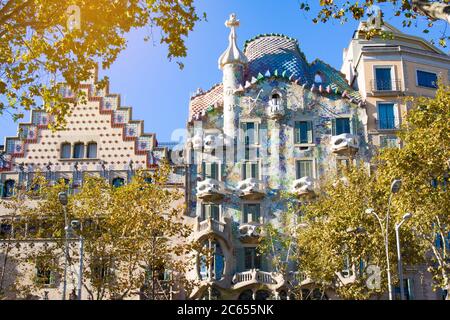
column 383, row 78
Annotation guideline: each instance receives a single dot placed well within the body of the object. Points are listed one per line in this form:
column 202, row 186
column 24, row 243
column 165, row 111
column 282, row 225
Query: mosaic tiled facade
column 286, row 122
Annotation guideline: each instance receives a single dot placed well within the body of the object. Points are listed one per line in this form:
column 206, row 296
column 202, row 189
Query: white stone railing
column 254, row 275
column 211, row 224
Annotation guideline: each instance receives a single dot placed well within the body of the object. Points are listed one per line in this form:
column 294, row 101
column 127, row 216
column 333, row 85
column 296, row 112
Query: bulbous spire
column 233, row 54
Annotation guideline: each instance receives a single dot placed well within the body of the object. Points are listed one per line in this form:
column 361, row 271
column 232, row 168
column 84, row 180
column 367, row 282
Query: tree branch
column 434, row 10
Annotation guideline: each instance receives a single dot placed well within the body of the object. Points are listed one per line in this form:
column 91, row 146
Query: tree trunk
column 434, row 10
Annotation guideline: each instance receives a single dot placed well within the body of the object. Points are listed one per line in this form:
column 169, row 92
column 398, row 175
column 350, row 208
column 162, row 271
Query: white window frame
column 314, row 168
column 305, row 119
column 257, row 123
column 261, row 212
column 396, row 115
column 393, row 78
column 243, row 165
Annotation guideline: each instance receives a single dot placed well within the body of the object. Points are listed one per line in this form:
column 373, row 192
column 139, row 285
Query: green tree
column 338, row 241
column 410, row 11
column 423, row 165
column 134, row 236
column 46, row 42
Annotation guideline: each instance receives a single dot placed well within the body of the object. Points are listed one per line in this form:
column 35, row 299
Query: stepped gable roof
column 202, row 101
column 270, row 52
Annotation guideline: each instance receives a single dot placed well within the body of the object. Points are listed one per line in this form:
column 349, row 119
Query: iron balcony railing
column 385, row 85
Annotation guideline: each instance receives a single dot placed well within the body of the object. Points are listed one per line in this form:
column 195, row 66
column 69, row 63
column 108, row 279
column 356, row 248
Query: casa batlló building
column 275, row 125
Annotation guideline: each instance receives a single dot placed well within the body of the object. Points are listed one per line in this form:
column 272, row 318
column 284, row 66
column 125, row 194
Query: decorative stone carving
column 210, row 190
column 212, row 142
column 250, row 189
column 197, row 141
column 276, row 111
column 344, row 143
column 303, row 186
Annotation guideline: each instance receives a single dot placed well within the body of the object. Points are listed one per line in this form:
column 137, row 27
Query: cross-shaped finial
column 232, row 22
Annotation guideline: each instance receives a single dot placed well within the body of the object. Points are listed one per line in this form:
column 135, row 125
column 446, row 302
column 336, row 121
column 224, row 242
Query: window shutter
column 333, row 127
column 203, row 170
column 296, row 132
column 207, row 211
column 354, row 125
column 257, row 213
column 1, row 190
column 310, row 132
column 239, row 252
column 52, row 277
column 254, row 167
column 208, row 170
column 256, row 132
column 396, row 116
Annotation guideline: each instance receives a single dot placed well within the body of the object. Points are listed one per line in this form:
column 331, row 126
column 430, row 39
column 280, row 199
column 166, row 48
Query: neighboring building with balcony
column 385, row 71
column 100, row 138
column 275, row 124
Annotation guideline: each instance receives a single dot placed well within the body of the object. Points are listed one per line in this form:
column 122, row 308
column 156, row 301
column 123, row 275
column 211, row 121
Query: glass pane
column 92, row 150
column 383, row 78
column 304, row 168
column 342, row 126
column 78, row 151
column 249, row 133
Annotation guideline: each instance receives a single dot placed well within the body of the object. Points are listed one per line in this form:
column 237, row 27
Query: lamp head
column 407, row 216
column 63, row 198
column 370, row 211
column 396, row 185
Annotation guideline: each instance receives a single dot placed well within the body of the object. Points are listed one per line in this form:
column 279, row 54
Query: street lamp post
column 406, row 217
column 395, row 188
column 80, row 276
column 63, row 199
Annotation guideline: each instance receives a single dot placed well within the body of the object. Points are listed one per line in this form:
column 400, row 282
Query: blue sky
column 159, row 91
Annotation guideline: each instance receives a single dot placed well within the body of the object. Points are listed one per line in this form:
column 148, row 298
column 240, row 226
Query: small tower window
column 92, row 150
column 318, row 78
column 276, row 99
column 118, row 182
column 78, row 150
column 65, row 150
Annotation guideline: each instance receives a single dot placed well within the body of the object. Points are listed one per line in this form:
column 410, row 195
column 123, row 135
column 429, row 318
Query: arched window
column 318, row 78
column 8, row 190
column 217, row 263
column 92, row 150
column 118, row 182
column 78, row 150
column 276, row 99
column 65, row 150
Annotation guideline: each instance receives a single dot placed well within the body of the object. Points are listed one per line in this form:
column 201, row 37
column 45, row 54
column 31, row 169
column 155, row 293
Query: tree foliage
column 423, row 164
column 410, row 11
column 134, row 237
column 43, row 43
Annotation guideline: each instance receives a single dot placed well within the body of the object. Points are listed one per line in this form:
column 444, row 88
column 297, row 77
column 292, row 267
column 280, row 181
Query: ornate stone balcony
column 255, row 276
column 345, row 143
column 276, row 111
column 251, row 189
column 303, row 186
column 210, row 190
column 212, row 227
column 213, row 142
column 250, row 232
column 298, row 278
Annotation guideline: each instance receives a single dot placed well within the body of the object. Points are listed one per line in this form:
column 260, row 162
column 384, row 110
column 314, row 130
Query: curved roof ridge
column 207, row 91
column 261, row 35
